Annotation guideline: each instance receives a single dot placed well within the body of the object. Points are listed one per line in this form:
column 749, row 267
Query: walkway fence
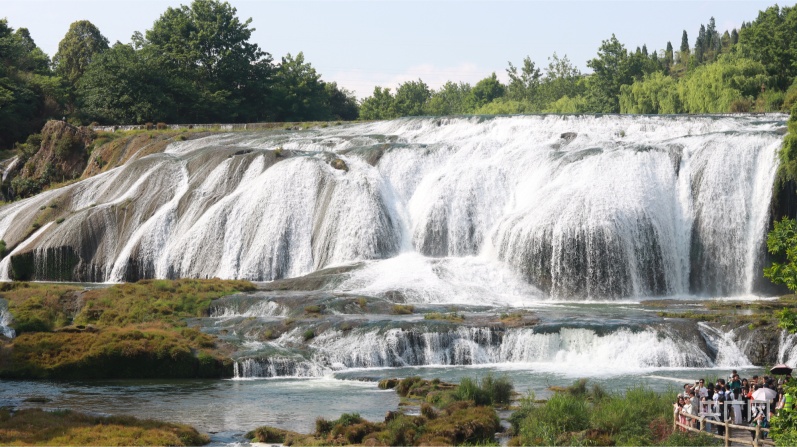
column 734, row 435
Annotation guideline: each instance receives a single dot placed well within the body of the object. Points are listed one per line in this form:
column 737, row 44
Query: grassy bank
column 583, row 415
column 133, row 330
column 465, row 414
column 37, row 427
column 449, row 415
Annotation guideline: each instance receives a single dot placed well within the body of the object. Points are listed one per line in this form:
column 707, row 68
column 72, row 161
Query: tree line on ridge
column 197, row 65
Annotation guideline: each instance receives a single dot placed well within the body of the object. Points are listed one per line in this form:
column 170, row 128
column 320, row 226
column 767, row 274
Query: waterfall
column 5, row 320
column 498, row 210
column 575, row 350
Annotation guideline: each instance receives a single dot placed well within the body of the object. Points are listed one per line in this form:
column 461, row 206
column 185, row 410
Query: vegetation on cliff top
column 133, row 330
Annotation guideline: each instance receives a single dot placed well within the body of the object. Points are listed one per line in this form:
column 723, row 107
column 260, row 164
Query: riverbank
column 67, row 428
column 65, row 331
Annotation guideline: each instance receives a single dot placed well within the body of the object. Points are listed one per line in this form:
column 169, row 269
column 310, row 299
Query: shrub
column 489, row 391
column 308, row 334
column 741, row 105
column 322, row 427
column 404, row 386
column 401, row 309
column 387, row 384
column 453, row 316
column 312, row 309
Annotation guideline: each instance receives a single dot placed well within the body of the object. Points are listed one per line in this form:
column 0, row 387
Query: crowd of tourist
column 738, row 401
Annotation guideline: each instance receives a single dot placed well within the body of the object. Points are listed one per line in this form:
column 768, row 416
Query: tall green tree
column 299, row 92
column 81, row 44
column 379, row 106
column 610, row 71
column 524, row 85
column 683, row 55
column 124, row 85
column 411, row 98
column 450, row 99
column 669, row 58
column 714, row 88
column 561, row 79
column 485, row 91
column 341, row 103
column 772, row 40
column 29, row 93
column 207, row 45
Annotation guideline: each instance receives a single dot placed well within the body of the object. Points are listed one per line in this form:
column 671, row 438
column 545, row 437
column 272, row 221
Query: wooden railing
column 756, row 441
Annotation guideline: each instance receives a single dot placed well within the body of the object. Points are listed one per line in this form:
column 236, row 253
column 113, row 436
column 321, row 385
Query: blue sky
column 360, row 44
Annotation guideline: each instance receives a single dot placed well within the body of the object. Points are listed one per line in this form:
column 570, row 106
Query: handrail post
column 757, row 442
column 727, row 433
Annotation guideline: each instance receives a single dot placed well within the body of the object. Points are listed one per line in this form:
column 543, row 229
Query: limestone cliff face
column 62, row 156
column 111, row 153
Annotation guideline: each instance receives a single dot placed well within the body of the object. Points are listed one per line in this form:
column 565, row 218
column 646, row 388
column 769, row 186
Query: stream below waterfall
column 226, row 409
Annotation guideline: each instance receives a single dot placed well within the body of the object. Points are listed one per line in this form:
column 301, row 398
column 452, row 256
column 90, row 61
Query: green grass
column 584, row 416
column 37, row 427
column 402, row 309
column 452, row 316
column 446, row 421
column 133, row 330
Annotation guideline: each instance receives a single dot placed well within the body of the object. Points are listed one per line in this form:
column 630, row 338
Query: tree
column 451, row 99
column 782, row 243
column 29, row 94
column 523, row 86
column 299, row 91
column 656, row 93
column 684, row 43
column 379, row 106
column 123, row 85
column 486, row 91
column 610, row 71
column 772, row 40
column 562, row 78
column 208, row 46
column 81, row 44
column 714, row 88
column 341, row 103
column 668, row 57
column 411, row 98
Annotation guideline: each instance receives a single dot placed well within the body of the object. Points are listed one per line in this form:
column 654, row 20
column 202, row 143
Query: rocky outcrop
column 62, row 156
column 761, row 344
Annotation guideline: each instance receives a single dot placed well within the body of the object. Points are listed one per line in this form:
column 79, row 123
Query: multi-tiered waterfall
column 563, row 206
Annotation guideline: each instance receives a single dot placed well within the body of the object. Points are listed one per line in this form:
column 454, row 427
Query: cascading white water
column 5, row 321
column 576, row 350
column 787, row 349
column 566, row 206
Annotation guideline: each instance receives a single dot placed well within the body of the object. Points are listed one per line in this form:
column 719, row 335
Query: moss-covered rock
column 38, row 427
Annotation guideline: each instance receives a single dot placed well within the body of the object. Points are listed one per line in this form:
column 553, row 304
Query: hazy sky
column 361, row 44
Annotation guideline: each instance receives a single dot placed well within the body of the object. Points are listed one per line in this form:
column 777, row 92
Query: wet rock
column 340, row 165
column 568, row 136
